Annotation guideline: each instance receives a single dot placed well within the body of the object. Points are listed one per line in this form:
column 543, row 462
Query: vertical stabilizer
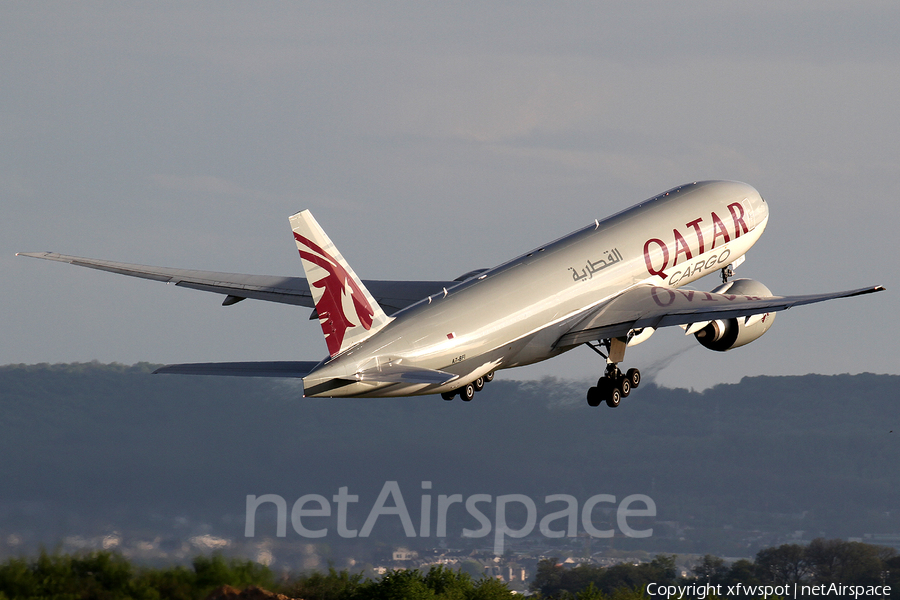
column 347, row 311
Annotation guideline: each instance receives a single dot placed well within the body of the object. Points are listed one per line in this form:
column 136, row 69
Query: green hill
column 82, row 442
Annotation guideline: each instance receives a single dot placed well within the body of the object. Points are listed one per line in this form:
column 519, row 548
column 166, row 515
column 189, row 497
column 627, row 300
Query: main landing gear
column 467, row 392
column 614, row 385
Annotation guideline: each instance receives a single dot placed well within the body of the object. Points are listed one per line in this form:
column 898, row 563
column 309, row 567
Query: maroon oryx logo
column 330, row 306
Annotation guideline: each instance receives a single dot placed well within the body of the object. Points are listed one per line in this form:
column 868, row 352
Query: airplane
column 608, row 285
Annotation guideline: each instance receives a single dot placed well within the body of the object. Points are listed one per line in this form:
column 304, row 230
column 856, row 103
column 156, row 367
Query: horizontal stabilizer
column 283, row 368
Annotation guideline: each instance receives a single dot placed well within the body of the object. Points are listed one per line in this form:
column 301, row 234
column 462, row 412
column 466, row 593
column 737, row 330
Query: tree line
column 110, row 576
column 821, row 562
column 105, row 575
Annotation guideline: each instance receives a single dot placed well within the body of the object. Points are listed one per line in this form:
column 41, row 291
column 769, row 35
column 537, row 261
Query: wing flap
column 654, row 306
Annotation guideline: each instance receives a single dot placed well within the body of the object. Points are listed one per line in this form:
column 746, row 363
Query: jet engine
column 725, row 334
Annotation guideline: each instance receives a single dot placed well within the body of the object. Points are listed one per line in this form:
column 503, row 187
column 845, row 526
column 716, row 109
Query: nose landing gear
column 614, row 385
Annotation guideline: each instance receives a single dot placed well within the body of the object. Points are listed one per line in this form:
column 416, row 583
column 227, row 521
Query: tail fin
column 347, row 311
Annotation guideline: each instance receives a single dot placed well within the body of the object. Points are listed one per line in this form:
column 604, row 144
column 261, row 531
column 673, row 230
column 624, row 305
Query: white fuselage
column 515, row 314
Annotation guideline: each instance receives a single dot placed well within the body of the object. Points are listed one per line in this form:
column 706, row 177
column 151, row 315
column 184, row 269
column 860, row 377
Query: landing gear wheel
column 594, row 398
column 604, row 390
column 613, row 385
column 467, row 392
column 614, row 397
column 479, row 384
column 634, row 376
column 489, row 377
column 448, row 395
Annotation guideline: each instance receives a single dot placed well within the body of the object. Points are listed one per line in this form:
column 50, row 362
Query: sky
column 430, row 139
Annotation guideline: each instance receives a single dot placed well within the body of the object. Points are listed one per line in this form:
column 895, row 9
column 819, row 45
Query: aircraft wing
column 653, row 306
column 391, row 295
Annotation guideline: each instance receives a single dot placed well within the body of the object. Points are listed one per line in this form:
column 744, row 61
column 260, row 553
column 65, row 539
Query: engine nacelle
column 725, row 334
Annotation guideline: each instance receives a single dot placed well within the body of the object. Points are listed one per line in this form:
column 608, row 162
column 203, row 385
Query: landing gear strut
column 614, row 385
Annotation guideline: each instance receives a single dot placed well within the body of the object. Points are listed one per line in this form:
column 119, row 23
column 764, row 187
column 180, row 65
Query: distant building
column 401, row 554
